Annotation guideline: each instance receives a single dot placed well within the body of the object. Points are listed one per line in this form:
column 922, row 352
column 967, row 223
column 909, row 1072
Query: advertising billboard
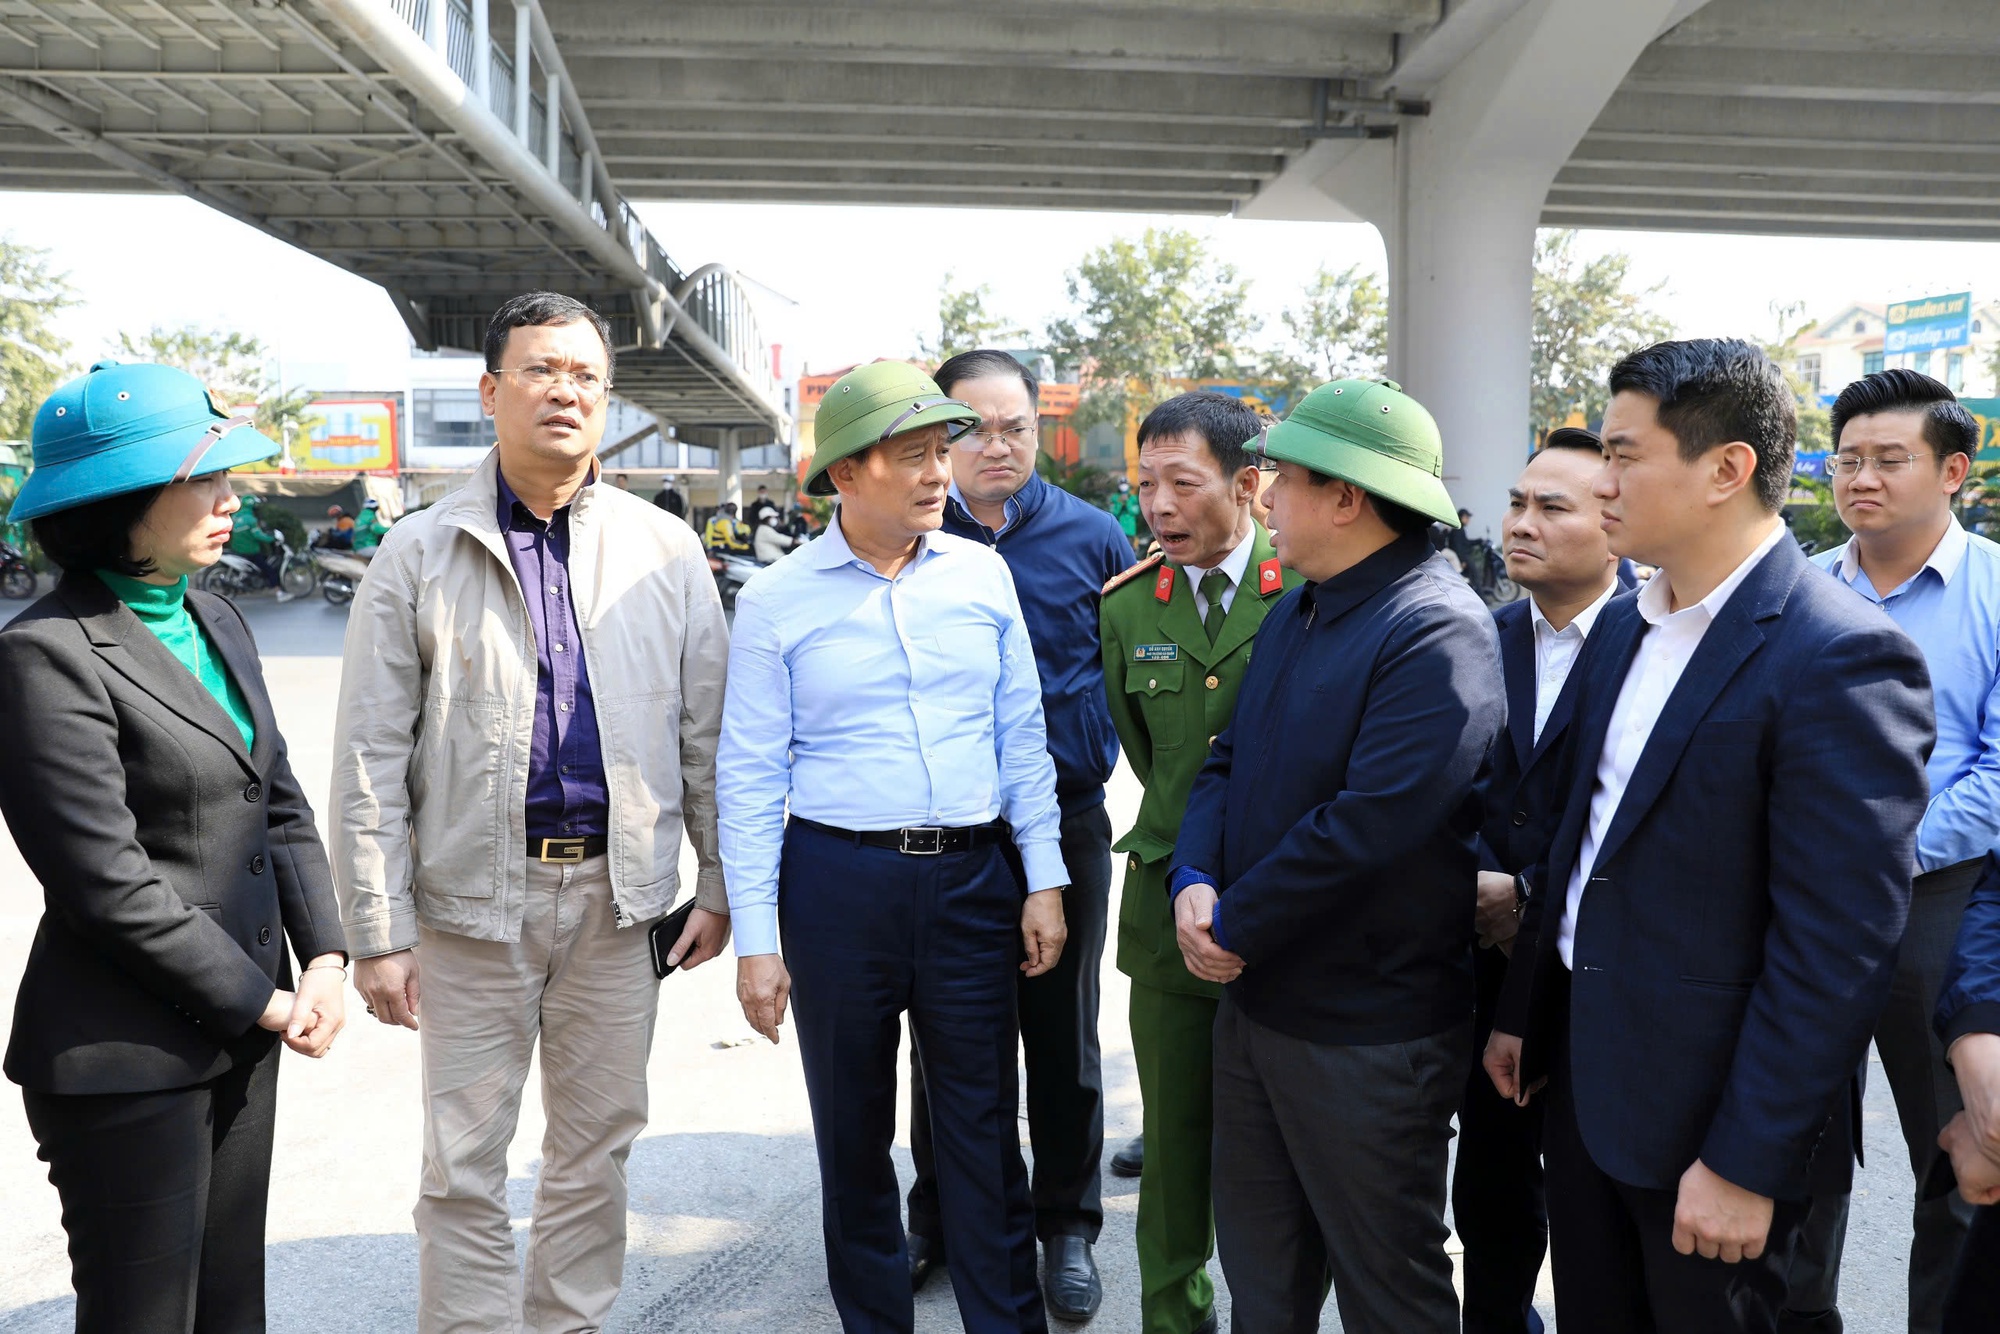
column 1928, row 323
column 350, row 435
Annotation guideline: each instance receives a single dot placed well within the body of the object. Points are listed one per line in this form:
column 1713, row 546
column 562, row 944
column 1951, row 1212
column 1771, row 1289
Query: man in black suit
column 1557, row 551
column 1716, row 928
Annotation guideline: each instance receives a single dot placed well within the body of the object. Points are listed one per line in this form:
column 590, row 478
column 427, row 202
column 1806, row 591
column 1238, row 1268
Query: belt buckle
column 934, row 838
column 571, row 853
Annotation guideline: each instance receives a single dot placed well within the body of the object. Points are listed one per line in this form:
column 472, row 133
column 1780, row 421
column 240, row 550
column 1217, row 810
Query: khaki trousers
column 586, row 989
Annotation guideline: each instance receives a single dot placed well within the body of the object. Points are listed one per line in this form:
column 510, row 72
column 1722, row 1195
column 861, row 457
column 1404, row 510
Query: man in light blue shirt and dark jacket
column 888, row 694
column 1903, row 446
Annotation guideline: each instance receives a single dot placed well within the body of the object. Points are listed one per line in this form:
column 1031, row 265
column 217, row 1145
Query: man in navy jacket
column 1325, row 874
column 1715, row 931
column 1061, row 551
column 1556, row 550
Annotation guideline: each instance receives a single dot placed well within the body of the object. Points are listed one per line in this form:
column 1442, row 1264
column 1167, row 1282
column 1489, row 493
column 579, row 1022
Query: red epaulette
column 1270, row 577
column 1131, row 572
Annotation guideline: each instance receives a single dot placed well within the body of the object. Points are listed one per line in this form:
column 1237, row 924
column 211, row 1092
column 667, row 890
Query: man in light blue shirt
column 883, row 686
column 1903, row 446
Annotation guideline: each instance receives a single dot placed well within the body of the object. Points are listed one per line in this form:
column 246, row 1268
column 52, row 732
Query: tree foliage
column 965, row 323
column 235, row 367
column 1147, row 311
column 33, row 356
column 1815, row 422
column 1585, row 319
column 1339, row 330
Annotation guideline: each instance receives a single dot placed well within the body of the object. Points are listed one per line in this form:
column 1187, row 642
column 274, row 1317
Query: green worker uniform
column 369, row 530
column 1124, row 507
column 1171, row 692
column 247, row 535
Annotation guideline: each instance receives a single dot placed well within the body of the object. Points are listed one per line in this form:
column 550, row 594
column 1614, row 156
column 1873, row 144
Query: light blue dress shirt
column 1951, row 608
column 870, row 703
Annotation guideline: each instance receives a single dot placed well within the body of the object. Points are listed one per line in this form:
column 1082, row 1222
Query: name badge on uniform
column 1157, row 653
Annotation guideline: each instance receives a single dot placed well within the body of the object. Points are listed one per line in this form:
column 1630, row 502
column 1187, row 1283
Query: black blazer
column 173, row 864
column 1523, row 785
column 1741, row 922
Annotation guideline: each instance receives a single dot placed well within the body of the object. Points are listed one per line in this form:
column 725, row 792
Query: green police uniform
column 1171, row 692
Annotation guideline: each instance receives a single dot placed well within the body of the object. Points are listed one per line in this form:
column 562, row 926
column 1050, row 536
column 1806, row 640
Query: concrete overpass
column 435, row 147
column 366, row 131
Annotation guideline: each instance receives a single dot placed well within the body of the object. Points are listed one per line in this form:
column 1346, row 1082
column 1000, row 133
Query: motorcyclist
column 251, row 539
column 726, row 533
column 369, row 529
column 772, row 542
column 338, row 535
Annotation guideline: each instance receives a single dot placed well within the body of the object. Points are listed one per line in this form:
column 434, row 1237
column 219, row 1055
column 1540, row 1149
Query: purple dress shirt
column 567, row 795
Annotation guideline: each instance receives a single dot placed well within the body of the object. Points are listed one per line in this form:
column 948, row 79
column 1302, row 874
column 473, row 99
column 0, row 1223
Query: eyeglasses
column 589, row 385
column 1013, row 437
column 1887, row 465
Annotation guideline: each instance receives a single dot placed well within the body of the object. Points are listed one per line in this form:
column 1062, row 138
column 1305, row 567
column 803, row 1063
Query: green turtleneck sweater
column 162, row 608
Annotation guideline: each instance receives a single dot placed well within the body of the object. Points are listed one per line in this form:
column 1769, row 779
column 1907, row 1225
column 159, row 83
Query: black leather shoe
column 1070, row 1283
column 925, row 1255
column 1130, row 1160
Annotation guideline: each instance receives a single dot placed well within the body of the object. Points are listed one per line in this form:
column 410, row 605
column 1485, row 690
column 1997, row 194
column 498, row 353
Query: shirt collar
column 1011, row 507
column 1947, row 557
column 1655, row 598
column 507, row 500
column 1233, row 565
column 1583, row 621
column 829, row 551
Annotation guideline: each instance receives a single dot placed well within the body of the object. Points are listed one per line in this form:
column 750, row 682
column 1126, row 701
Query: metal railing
column 711, row 298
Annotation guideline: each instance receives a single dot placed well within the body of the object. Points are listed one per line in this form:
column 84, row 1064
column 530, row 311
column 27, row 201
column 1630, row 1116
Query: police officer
column 1177, row 631
column 882, row 688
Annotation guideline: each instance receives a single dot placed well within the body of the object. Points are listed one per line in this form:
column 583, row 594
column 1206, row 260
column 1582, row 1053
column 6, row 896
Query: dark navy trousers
column 869, row 934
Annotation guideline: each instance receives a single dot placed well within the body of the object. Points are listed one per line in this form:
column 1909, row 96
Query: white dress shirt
column 1556, row 652
column 872, row 703
column 1666, row 648
column 1233, row 565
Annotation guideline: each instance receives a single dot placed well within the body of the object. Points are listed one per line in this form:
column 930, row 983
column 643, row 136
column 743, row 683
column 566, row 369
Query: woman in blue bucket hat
column 148, row 790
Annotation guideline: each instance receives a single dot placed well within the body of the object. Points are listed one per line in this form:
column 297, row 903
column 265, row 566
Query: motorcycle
column 731, row 571
column 236, row 576
column 339, row 573
column 17, row 577
column 1486, row 571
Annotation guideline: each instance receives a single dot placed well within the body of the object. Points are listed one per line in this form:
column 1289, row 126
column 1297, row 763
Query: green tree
column 235, row 367
column 1815, row 422
column 964, row 323
column 1147, row 311
column 1585, row 320
column 33, row 356
column 1339, row 329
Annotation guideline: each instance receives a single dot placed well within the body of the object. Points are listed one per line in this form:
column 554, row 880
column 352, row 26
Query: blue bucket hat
column 118, row 428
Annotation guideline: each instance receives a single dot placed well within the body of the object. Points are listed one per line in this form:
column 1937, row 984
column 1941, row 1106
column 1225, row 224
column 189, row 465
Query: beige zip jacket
column 437, row 711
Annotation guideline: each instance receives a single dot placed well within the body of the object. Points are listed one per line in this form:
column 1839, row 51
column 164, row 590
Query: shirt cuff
column 1215, row 926
column 755, row 927
column 1042, row 863
column 1183, row 876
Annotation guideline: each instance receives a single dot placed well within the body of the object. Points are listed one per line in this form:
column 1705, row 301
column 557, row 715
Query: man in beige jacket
column 529, row 709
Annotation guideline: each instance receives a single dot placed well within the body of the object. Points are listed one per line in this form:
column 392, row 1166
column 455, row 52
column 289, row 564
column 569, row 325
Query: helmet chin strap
column 206, row 443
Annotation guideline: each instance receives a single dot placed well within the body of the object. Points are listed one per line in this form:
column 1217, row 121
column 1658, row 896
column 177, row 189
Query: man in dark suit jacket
column 1556, row 550
column 1714, row 933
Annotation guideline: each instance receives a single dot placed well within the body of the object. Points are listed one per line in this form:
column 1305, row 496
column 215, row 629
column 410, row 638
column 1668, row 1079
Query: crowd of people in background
column 1616, row 882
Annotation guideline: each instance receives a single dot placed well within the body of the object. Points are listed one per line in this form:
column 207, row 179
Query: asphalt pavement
column 724, row 1185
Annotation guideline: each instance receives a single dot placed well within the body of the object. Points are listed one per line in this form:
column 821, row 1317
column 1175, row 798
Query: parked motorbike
column 17, row 577
column 1486, row 571
column 339, row 573
column 731, row 572
column 236, row 576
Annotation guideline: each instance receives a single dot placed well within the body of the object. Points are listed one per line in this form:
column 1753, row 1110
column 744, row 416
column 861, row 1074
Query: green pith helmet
column 871, row 403
column 1369, row 433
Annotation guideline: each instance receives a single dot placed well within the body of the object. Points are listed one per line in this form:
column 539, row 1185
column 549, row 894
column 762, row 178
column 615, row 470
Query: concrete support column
column 1457, row 195
column 729, row 467
column 482, row 52
column 552, row 142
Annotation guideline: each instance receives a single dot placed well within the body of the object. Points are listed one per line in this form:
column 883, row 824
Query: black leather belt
column 566, row 851
column 929, row 841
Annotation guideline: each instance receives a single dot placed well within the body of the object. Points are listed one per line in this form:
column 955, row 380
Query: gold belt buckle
column 571, row 851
